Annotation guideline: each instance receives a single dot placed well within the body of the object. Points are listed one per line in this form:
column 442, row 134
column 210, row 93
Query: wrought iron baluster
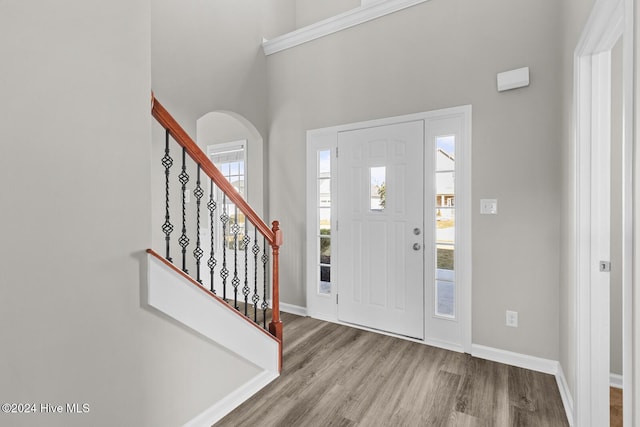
column 224, row 272
column 256, row 298
column 198, row 252
column 235, row 282
column 265, row 259
column 167, row 227
column 211, row 263
column 246, row 290
column 184, row 240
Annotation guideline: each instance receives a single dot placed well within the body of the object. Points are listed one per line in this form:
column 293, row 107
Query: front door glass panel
column 444, row 283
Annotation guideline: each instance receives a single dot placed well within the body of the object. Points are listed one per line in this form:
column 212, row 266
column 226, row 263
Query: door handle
column 416, row 246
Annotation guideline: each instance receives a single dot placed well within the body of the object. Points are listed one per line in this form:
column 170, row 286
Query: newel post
column 275, row 327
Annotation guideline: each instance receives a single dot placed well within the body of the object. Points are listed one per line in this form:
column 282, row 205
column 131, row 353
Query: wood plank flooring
column 615, row 407
column 334, row 375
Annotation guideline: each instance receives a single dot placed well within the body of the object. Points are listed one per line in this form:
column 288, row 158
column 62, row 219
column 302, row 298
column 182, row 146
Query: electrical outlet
column 512, row 319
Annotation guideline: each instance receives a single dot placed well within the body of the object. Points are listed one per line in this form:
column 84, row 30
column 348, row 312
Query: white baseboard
column 293, row 309
column 538, row 364
column 546, row 366
column 230, row 402
column 565, row 394
column 615, row 380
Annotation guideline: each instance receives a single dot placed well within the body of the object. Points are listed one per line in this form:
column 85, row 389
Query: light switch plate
column 489, row 206
column 512, row 319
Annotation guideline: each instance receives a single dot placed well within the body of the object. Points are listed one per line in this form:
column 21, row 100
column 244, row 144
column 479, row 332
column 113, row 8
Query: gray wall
column 207, row 56
column 434, row 55
column 574, row 18
column 311, row 11
column 75, row 181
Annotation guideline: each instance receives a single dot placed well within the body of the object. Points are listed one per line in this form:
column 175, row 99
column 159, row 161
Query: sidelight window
column 445, row 289
column 324, row 220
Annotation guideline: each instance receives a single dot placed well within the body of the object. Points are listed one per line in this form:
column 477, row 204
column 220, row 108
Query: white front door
column 381, row 228
column 374, row 190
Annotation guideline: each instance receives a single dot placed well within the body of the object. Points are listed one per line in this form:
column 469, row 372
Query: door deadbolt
column 416, row 231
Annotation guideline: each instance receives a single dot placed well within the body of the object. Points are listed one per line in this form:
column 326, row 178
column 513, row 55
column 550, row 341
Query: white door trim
column 609, row 20
column 325, row 307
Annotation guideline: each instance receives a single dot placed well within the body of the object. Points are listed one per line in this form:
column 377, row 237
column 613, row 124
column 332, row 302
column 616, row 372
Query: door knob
column 416, row 246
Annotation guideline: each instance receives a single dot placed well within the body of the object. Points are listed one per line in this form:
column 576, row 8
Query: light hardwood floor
column 334, row 375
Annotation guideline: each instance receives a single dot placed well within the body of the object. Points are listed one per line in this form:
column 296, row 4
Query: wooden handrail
column 273, row 235
column 185, row 141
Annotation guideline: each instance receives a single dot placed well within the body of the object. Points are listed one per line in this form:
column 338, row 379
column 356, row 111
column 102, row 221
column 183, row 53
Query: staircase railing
column 237, row 239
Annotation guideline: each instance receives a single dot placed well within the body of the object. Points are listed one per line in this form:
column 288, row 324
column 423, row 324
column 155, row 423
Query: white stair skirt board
column 179, row 298
column 533, row 363
column 230, row 402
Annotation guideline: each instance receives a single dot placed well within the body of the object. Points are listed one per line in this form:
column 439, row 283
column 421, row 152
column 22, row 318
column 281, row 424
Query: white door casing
column 609, row 20
column 322, row 301
column 381, row 240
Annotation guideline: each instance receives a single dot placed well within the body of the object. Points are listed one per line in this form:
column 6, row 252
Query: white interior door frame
column 609, row 20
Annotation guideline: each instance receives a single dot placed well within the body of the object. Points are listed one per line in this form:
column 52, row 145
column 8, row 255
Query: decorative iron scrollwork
column 183, row 241
column 167, row 227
